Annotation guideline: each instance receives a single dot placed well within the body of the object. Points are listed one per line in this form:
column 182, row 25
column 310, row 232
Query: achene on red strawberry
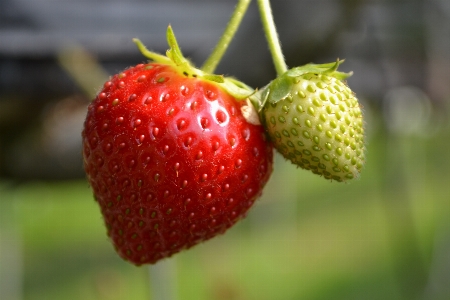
column 170, row 157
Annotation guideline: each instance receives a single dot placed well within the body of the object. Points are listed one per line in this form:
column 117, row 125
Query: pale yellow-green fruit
column 315, row 121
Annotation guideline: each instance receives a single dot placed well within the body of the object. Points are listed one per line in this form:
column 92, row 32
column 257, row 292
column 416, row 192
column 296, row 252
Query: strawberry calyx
column 329, row 69
column 174, row 57
column 280, row 88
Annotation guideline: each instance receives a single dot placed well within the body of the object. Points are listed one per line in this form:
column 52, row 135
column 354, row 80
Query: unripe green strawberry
column 315, row 120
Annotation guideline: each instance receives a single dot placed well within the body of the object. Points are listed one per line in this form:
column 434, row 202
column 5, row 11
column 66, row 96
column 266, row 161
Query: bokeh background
column 383, row 236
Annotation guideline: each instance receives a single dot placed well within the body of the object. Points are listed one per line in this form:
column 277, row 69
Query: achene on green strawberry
column 315, row 121
column 170, row 157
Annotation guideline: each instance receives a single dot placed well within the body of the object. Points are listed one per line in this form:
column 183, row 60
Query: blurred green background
column 385, row 235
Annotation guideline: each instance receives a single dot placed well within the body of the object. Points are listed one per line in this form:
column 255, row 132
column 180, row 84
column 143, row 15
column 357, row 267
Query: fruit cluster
column 176, row 156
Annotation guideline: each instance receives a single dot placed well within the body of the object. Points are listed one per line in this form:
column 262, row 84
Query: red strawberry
column 170, row 157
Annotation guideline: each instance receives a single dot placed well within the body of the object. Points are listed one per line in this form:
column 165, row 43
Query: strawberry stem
column 211, row 63
column 162, row 278
column 88, row 74
column 272, row 36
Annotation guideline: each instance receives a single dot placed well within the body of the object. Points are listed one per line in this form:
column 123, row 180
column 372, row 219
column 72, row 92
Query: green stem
column 272, row 36
column 211, row 63
column 163, row 280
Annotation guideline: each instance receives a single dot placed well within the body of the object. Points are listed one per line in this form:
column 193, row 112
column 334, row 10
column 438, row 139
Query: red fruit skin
column 171, row 161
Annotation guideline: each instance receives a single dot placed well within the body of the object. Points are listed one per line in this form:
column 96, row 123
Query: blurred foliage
column 383, row 236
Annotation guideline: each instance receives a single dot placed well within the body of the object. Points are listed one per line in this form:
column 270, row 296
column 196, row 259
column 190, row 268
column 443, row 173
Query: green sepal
column 174, row 52
column 280, row 88
column 277, row 90
column 329, row 69
column 239, row 90
column 150, row 54
column 214, row 78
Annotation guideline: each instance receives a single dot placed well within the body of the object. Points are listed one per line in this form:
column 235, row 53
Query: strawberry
column 315, row 121
column 170, row 157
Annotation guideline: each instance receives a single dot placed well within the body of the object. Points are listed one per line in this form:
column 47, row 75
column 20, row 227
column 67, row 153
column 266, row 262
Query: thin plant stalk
column 272, row 36
column 163, row 283
column 83, row 68
column 211, row 63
